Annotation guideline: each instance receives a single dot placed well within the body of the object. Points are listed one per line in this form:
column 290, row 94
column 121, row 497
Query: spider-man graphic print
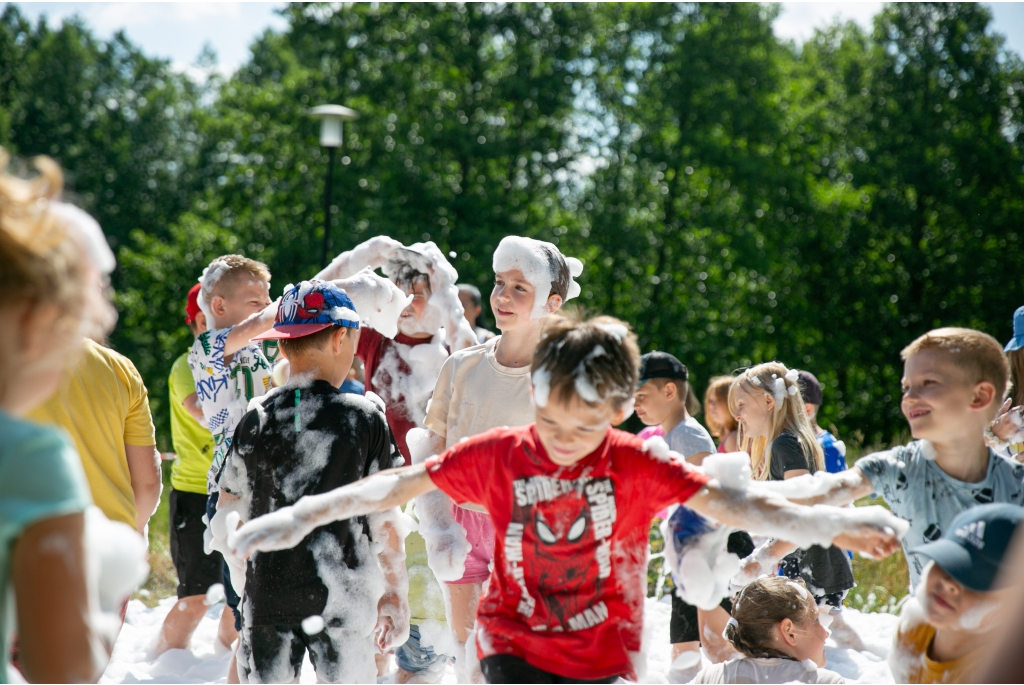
column 568, row 584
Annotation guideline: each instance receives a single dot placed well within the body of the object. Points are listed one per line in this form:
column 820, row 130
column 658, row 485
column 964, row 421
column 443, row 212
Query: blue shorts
column 414, row 657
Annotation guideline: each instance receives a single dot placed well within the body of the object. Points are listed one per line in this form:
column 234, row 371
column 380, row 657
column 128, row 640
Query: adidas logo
column 973, row 534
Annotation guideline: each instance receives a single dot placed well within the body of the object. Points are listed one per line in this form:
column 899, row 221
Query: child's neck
column 964, row 457
column 949, row 645
column 515, row 347
column 312, row 369
column 676, row 417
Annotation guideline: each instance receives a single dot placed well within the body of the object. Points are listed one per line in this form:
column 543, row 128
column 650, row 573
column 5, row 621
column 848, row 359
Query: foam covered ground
column 130, row 664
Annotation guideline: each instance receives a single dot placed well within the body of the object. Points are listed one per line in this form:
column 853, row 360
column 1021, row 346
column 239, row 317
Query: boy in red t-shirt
column 572, row 500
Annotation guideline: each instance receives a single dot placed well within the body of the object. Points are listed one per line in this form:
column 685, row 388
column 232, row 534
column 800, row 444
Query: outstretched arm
column 834, row 489
column 372, row 253
column 257, row 323
column 872, row 531
column 285, row 528
column 393, row 608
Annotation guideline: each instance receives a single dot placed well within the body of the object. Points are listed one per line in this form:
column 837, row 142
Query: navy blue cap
column 973, row 547
column 661, row 365
column 1017, row 341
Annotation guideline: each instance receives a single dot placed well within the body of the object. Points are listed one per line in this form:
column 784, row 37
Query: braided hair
column 760, row 607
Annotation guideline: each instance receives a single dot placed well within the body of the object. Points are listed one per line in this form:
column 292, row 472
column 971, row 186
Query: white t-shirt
column 225, row 388
column 690, row 438
column 474, row 393
column 767, row 671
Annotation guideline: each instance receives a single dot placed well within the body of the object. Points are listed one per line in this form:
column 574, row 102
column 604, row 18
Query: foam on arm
column 835, row 489
column 372, row 253
column 286, row 527
column 389, row 530
column 378, row 301
column 257, row 323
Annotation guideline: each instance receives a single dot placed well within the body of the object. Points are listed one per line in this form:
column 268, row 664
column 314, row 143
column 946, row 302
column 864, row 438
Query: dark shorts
column 230, row 596
column 505, row 668
column 197, row 571
column 683, row 626
column 273, row 654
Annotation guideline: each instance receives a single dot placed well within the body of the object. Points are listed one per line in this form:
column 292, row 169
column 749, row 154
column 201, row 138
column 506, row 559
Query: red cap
column 192, row 304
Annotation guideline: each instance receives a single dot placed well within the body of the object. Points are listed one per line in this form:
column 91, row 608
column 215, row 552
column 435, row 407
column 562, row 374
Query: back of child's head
column 761, row 606
column 788, row 414
column 227, row 272
column 718, row 389
column 978, row 355
column 595, row 360
column 542, row 265
column 45, row 263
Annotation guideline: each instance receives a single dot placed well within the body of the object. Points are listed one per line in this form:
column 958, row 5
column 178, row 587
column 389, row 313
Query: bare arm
column 144, row 471
column 393, row 607
column 285, row 528
column 835, row 489
column 698, row 458
column 872, row 531
column 195, row 410
column 55, row 634
column 257, row 323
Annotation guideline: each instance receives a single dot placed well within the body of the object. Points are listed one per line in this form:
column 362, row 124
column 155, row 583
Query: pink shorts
column 480, row 533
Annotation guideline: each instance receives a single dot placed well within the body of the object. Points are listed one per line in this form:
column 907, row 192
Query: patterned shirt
column 224, row 388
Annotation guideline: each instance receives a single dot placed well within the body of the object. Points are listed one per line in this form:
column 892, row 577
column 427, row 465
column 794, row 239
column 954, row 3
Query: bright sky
column 178, row 31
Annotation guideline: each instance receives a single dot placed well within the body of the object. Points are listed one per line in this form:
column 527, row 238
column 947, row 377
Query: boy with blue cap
column 326, row 596
column 1006, row 433
column 956, row 607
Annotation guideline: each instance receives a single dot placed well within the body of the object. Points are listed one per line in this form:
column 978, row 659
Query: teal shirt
column 41, row 477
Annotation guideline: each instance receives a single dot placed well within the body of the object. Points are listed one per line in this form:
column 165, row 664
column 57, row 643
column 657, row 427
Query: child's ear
column 770, row 400
column 338, row 339
column 217, row 305
column 670, row 390
column 984, row 395
column 554, row 303
column 788, row 630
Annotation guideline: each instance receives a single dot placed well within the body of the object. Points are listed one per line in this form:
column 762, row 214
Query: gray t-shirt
column 689, row 438
column 779, row 670
column 929, row 499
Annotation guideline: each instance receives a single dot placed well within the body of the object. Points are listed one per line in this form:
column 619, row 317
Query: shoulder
column 39, row 463
column 827, row 676
column 1007, row 470
column 900, row 458
column 715, row 673
column 470, row 354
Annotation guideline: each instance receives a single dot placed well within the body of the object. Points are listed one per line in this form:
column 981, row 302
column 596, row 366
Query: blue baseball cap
column 310, row 307
column 1017, row 341
column 973, row 547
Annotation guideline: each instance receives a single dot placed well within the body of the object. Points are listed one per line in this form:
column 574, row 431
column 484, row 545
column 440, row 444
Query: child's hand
column 392, row 627
column 374, row 252
column 1007, row 423
column 378, row 301
column 871, row 541
column 281, row 529
column 447, row 551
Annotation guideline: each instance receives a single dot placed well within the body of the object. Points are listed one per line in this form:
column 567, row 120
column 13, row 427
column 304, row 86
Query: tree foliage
column 735, row 198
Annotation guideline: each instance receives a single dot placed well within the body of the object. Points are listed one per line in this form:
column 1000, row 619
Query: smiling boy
column 954, row 380
column 571, row 499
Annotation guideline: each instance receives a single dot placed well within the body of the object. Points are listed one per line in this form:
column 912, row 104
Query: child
column 664, row 397
column 196, row 570
column 943, row 629
column 766, row 402
column 953, row 382
column 50, row 296
column 1005, row 435
column 775, row 625
column 721, row 423
column 304, row 438
column 572, row 499
column 479, row 389
column 834, row 450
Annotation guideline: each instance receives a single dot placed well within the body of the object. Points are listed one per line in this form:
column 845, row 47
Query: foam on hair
column 543, row 266
column 223, row 273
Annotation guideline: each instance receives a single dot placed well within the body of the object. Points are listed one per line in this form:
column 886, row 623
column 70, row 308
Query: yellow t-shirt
column 911, row 654
column 192, row 442
column 103, row 404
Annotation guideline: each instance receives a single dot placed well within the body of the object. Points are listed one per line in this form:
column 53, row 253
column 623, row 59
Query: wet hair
column 683, row 390
column 773, row 378
column 405, row 276
column 228, row 271
column 296, row 347
column 718, row 387
column 473, row 292
column 559, row 270
column 598, row 357
column 978, row 354
column 761, row 606
column 42, row 263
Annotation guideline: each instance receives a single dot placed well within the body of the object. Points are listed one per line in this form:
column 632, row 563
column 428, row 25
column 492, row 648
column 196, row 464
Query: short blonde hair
column 226, row 271
column 978, row 354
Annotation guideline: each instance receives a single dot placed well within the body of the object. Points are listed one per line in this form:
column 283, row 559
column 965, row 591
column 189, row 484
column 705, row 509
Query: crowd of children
column 533, row 512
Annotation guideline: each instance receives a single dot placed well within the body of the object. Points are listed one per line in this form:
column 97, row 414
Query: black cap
column 810, row 388
column 972, row 548
column 661, row 365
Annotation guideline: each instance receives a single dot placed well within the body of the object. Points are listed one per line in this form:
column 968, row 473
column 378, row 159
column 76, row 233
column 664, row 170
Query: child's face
column 654, row 405
column 809, row 638
column 951, row 606
column 512, row 300
column 937, row 398
column 754, row 412
column 412, row 319
column 717, row 410
column 240, row 302
column 571, row 430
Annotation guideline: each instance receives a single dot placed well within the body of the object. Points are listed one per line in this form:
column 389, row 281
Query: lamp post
column 331, row 137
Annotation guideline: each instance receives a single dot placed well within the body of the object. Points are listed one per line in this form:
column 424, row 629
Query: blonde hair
column 224, row 273
column 43, row 264
column 718, row 387
column 774, row 379
column 761, row 606
column 978, row 354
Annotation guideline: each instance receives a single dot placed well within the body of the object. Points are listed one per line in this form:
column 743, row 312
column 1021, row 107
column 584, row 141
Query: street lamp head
column 330, row 117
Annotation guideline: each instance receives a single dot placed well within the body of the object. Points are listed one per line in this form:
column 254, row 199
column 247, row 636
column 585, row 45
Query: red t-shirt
column 567, row 589
column 372, row 348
